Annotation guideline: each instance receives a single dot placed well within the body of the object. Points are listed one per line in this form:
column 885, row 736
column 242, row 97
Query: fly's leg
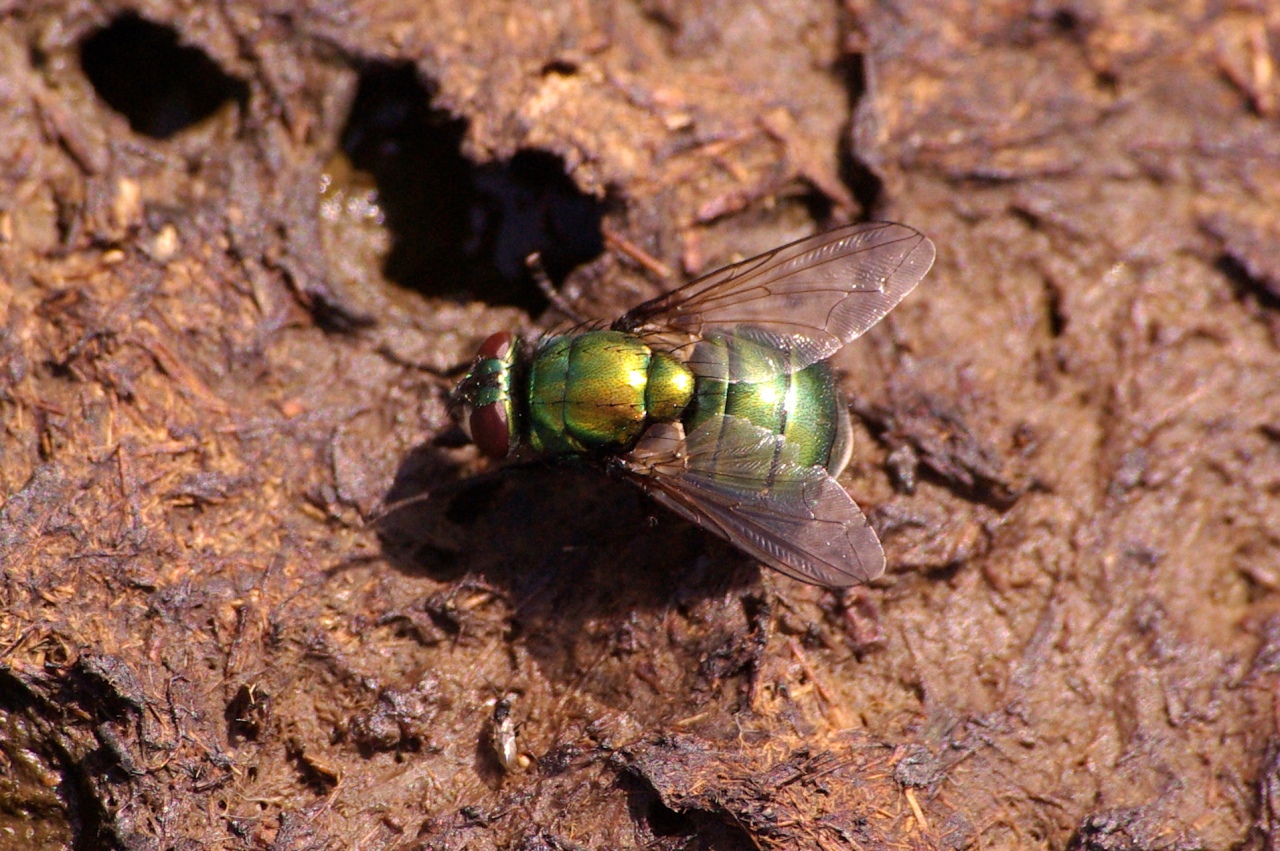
column 440, row 493
column 446, row 491
column 540, row 277
column 446, row 378
column 637, row 255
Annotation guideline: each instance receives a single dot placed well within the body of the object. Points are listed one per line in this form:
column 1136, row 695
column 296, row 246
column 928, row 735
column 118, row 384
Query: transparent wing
column 742, row 482
column 808, row 298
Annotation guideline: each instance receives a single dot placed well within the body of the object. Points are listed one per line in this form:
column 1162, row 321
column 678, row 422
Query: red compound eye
column 489, row 429
column 496, row 346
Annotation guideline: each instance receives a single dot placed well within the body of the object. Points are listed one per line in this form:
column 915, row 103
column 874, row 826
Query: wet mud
column 245, row 249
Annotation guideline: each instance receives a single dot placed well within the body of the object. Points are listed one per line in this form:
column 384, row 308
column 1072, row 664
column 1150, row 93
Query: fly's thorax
column 669, row 388
column 598, row 391
column 487, row 391
column 743, row 377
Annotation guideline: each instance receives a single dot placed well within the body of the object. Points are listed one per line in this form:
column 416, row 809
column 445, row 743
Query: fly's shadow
column 587, row 565
column 544, row 533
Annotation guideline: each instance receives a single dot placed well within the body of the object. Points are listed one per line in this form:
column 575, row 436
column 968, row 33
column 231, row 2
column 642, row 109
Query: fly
column 716, row 398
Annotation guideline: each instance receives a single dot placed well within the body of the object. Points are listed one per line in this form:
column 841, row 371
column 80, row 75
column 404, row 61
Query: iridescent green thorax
column 598, row 391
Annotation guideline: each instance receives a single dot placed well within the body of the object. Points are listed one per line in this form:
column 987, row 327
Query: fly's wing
column 743, row 483
column 808, row 298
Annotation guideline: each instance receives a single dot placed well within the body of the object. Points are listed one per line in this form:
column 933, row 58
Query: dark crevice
column 320, row 780
column 413, row 153
column 647, row 808
column 530, row 204
column 1246, row 284
column 459, row 228
column 246, row 715
column 1107, row 81
column 562, row 67
column 711, row 829
column 1065, row 21
column 161, row 86
column 1055, row 310
column 863, row 182
column 664, row 821
column 78, row 790
column 818, row 205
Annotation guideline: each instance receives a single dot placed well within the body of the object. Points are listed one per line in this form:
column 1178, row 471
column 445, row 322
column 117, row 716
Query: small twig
column 638, row 254
column 915, row 809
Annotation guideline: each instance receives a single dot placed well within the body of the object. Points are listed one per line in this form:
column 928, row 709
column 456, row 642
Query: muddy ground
column 241, row 246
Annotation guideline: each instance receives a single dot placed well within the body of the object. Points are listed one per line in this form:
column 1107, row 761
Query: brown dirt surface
column 243, row 245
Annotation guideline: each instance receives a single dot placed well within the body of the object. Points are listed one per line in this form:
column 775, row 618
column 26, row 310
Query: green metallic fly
column 715, row 398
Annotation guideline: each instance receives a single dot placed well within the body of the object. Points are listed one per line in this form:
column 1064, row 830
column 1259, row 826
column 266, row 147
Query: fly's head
column 485, row 396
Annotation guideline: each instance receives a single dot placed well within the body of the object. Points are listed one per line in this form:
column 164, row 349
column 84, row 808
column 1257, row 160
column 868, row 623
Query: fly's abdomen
column 740, row 377
column 599, row 390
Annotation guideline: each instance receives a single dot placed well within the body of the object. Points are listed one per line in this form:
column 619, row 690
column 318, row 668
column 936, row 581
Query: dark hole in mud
column 817, row 205
column 1065, row 20
column 15, row 696
column 1246, row 284
column 458, row 227
column 159, row 85
column 664, row 821
column 319, row 779
column 1057, row 315
column 863, row 182
column 563, row 67
column 646, row 807
column 245, row 716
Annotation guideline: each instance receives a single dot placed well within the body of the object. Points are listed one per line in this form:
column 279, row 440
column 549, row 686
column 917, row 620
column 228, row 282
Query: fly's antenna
column 458, row 395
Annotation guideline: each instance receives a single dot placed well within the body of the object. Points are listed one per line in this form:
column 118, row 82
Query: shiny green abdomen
column 598, row 391
column 804, row 406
